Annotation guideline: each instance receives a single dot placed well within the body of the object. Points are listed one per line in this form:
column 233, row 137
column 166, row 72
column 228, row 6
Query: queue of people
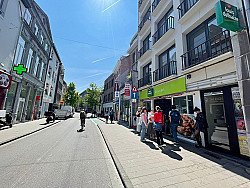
column 152, row 124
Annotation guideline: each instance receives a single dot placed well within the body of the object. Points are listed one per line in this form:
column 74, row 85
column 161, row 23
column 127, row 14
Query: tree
column 71, row 96
column 81, row 102
column 93, row 95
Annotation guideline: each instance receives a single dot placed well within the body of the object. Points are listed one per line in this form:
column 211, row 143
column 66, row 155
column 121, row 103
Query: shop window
column 184, row 104
column 30, row 104
column 10, row 97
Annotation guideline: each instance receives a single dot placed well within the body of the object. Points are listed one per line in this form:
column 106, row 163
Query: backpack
column 82, row 115
column 175, row 117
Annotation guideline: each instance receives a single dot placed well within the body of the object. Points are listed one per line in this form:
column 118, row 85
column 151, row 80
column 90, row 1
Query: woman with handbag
column 138, row 123
column 143, row 120
column 159, row 122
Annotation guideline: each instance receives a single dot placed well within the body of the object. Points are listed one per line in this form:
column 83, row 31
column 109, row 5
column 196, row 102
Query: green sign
column 175, row 86
column 227, row 16
column 151, row 92
column 20, row 69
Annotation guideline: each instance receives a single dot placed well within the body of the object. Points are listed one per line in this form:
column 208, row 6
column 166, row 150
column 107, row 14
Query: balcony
column 168, row 24
column 146, row 80
column 165, row 71
column 144, row 49
column 185, row 6
column 214, row 47
column 155, row 4
column 145, row 18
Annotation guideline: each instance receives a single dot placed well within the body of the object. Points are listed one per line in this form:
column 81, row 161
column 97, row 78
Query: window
column 167, row 56
column 49, row 71
column 53, row 75
column 29, row 60
column 184, row 104
column 147, row 70
column 41, row 71
column 162, row 26
column 46, row 47
column 42, row 39
column 27, row 16
column 19, row 51
column 36, row 66
column 3, row 6
column 36, row 30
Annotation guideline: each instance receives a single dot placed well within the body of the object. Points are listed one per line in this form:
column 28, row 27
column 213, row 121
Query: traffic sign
column 134, row 95
column 117, row 94
column 134, row 89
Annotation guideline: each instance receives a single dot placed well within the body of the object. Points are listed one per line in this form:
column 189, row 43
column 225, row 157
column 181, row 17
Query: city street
column 58, row 156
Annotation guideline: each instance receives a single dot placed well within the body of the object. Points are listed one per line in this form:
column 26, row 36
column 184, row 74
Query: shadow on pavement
column 170, row 149
column 4, row 128
column 151, row 145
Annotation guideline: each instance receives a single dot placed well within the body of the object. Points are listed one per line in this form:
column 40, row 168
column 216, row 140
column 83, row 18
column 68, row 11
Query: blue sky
column 85, row 22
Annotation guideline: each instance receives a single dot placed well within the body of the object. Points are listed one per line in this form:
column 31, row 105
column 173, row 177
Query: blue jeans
column 174, row 131
column 143, row 131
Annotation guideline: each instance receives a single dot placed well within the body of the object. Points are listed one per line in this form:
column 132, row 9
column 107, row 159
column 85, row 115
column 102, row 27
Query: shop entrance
column 165, row 105
column 20, row 109
column 218, row 108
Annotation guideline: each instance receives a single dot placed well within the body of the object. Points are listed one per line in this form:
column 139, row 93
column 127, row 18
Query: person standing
column 143, row 120
column 200, row 126
column 107, row 116
column 159, row 122
column 111, row 115
column 174, row 118
column 151, row 131
column 138, row 123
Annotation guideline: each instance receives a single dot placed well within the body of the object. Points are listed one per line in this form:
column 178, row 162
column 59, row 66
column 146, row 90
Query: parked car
column 70, row 109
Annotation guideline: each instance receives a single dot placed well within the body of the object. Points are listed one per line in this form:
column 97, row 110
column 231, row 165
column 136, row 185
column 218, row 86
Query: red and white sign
column 5, row 80
column 134, row 89
column 127, row 90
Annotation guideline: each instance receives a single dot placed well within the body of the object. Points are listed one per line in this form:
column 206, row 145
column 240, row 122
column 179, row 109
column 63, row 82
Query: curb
column 124, row 177
column 27, row 134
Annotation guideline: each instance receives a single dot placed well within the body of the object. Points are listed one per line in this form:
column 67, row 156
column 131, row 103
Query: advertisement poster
column 240, row 122
column 187, row 127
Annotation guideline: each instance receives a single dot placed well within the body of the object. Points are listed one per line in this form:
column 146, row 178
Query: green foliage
column 71, row 97
column 93, row 95
column 81, row 102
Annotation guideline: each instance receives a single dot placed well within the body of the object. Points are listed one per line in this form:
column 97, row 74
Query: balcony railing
column 145, row 48
column 140, row 3
column 185, row 6
column 154, row 4
column 165, row 71
column 146, row 80
column 168, row 24
column 217, row 45
column 146, row 17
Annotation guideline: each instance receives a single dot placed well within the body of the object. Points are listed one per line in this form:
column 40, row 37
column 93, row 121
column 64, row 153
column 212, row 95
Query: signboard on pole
column 227, row 16
column 117, row 94
column 127, row 91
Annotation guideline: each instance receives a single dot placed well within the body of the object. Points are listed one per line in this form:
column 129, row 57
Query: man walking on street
column 111, row 115
column 174, row 118
column 82, row 118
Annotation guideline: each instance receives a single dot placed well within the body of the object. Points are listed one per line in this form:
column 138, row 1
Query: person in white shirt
column 151, row 131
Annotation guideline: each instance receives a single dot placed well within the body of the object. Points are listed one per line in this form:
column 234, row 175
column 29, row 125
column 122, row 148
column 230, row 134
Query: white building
column 187, row 60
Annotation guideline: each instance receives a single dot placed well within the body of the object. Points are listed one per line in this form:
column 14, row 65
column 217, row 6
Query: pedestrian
column 158, row 123
column 143, row 120
column 174, row 118
column 138, row 122
column 151, row 131
column 200, row 126
column 107, row 116
column 82, row 118
column 111, row 115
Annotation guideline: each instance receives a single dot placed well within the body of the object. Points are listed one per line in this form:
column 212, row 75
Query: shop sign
column 227, row 16
column 5, row 80
column 117, row 101
column 38, row 98
column 117, row 94
column 151, row 92
column 61, row 102
column 175, row 86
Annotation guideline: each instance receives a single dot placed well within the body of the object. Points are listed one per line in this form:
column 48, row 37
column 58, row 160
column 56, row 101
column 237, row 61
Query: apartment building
column 108, row 93
column 187, row 60
column 33, row 52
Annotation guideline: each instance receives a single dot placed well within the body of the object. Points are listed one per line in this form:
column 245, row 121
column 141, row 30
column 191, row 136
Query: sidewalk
column 22, row 129
column 146, row 165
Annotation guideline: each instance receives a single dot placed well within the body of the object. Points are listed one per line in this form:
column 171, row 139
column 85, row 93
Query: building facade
column 187, row 60
column 108, row 93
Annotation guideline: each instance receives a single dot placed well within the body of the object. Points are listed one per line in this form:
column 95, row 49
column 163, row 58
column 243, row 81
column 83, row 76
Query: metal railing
column 145, row 48
column 215, row 46
column 168, row 24
column 154, row 4
column 146, row 80
column 146, row 17
column 165, row 71
column 185, row 6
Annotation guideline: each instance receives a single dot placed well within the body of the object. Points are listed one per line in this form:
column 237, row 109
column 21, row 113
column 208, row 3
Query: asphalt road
column 58, row 156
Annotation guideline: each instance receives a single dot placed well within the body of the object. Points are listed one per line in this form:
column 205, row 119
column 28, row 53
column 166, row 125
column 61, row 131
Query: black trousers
column 83, row 122
column 159, row 137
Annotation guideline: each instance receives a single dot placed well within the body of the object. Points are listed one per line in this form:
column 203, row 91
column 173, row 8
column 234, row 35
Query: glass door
column 20, row 109
column 216, row 119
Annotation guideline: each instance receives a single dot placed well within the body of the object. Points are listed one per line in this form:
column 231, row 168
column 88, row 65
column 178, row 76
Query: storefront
column 226, row 126
column 125, row 108
column 9, row 103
